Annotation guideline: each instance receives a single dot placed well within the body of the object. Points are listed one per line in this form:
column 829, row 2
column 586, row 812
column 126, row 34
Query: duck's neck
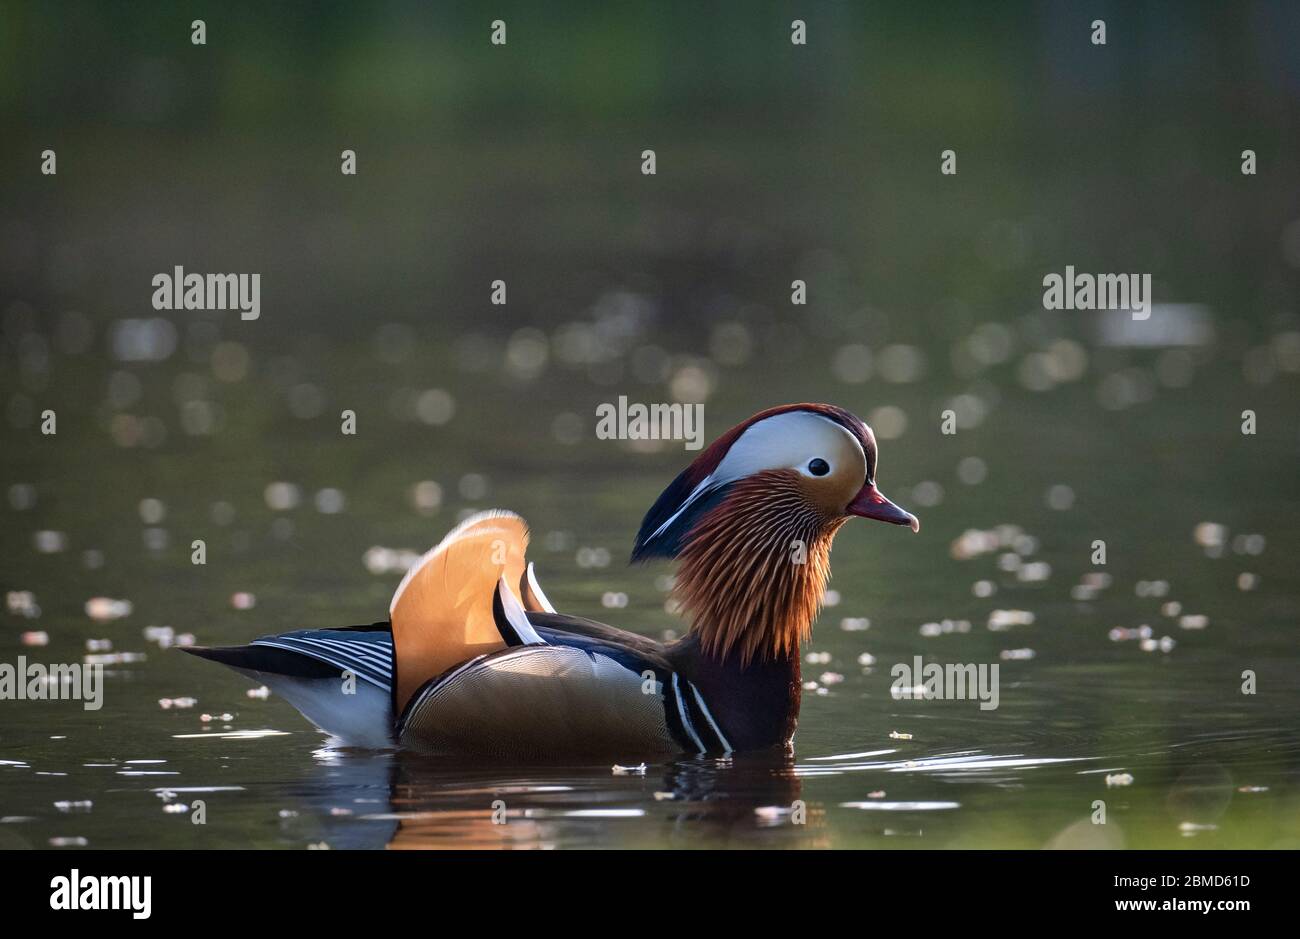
column 752, row 577
column 753, row 573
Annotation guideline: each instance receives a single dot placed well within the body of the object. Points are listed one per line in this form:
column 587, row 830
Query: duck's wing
column 441, row 612
column 562, row 627
column 564, row 687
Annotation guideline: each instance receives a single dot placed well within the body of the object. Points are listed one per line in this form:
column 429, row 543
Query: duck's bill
column 869, row 503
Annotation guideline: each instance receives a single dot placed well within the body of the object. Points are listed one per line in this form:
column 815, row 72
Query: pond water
column 1119, row 683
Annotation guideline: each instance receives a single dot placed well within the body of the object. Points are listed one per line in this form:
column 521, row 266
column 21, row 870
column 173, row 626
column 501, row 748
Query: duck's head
column 752, row 520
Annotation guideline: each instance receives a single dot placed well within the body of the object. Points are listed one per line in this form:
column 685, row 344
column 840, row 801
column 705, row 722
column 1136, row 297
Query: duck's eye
column 818, row 467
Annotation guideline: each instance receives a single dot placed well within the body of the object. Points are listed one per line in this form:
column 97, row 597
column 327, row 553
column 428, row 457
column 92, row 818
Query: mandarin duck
column 473, row 659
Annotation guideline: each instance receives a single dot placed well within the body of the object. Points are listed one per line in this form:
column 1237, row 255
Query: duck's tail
column 339, row 684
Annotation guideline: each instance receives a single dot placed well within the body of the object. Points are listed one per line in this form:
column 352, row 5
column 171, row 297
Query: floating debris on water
column 103, row 609
column 213, row 718
column 1247, row 581
column 592, row 557
column 182, row 703
column 831, row 598
column 1193, row 621
column 426, row 496
column 282, row 496
column 243, row 600
column 176, row 808
column 1002, row 620
column 72, row 841
column 381, row 560
column 866, row 660
column 260, row 693
column 232, row 735
column 1163, row 644
column 1249, row 544
column 152, row 511
column 1151, row 588
column 49, row 542
column 984, row 588
column 1171, row 609
column 1119, row 779
column 80, row 805
column 99, row 645
column 831, row 678
column 1016, row 655
column 35, row 637
column 817, row 658
column 22, row 603
column 916, row 692
column 330, row 501
column 895, row 735
column 638, row 770
column 665, row 796
column 855, row 624
column 1122, row 634
column 902, row 806
column 113, row 658
column 1191, row 828
column 1034, row 572
column 944, row 627
column 1024, row 545
column 162, row 635
column 1211, row 536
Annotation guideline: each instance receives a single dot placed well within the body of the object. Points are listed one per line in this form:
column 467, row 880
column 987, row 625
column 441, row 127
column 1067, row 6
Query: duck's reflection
column 402, row 800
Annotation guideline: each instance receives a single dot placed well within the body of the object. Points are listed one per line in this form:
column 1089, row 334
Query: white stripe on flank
column 726, row 744
column 686, row 720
